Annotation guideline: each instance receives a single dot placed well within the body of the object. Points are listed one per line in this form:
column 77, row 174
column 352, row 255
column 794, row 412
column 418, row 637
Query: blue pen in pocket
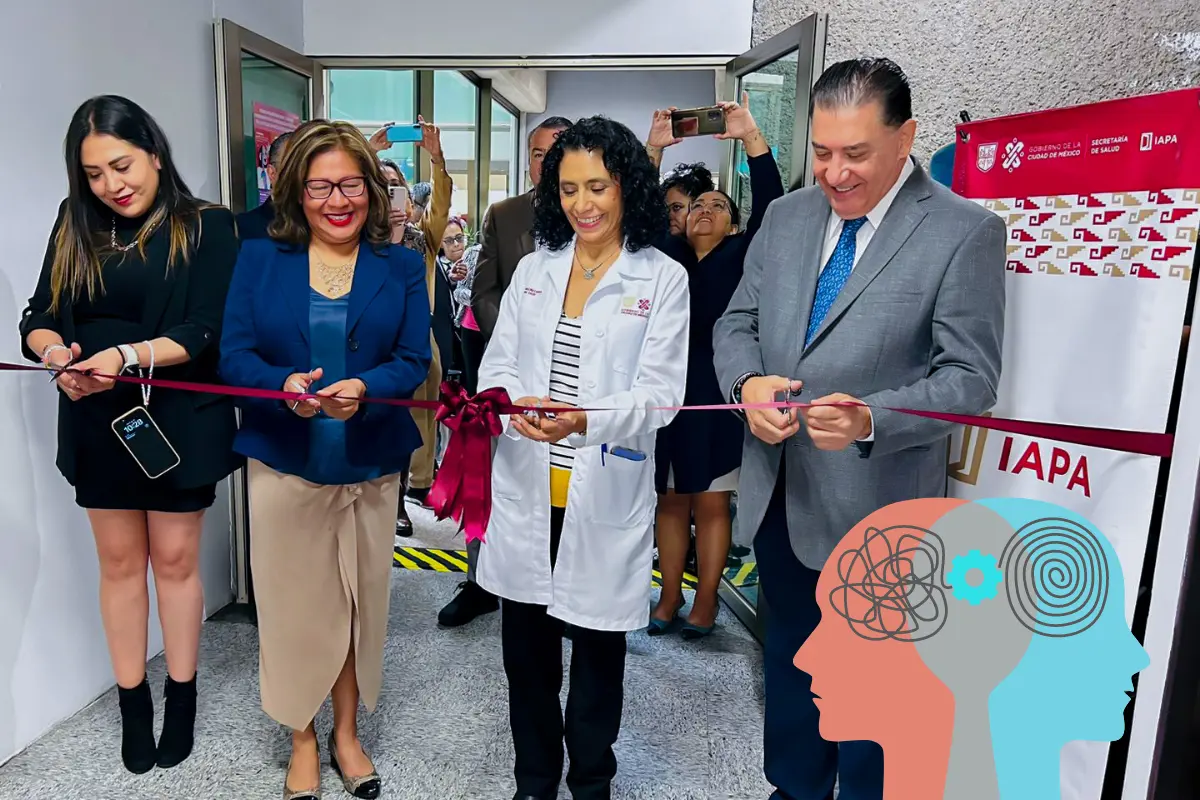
column 621, row 452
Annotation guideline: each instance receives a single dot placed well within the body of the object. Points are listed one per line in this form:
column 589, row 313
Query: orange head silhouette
column 879, row 593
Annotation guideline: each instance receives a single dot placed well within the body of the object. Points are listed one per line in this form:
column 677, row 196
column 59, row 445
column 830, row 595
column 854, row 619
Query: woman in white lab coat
column 596, row 318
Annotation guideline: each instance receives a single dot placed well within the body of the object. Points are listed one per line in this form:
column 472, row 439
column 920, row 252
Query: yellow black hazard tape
column 437, row 560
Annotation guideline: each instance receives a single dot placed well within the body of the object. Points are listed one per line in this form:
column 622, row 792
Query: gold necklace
column 338, row 277
column 589, row 274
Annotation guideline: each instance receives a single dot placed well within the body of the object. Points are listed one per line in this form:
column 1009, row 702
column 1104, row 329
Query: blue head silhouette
column 1065, row 583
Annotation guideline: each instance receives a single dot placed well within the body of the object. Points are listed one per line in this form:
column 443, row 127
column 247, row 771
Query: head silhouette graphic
column 970, row 639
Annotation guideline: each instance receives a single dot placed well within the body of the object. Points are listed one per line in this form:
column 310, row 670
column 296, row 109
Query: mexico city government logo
column 972, row 640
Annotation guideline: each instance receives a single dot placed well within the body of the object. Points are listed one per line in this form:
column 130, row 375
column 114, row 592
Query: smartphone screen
column 144, row 440
column 404, row 133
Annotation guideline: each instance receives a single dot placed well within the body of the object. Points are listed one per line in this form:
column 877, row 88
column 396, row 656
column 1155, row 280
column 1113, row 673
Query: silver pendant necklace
column 589, row 274
column 120, row 248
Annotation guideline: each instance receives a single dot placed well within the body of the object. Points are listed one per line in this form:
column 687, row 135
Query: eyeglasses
column 349, row 187
column 712, row 205
column 460, row 239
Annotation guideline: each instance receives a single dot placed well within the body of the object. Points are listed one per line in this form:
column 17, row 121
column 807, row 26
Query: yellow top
column 559, row 478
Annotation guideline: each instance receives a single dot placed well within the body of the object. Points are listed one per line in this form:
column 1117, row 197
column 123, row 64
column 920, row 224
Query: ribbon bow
column 462, row 489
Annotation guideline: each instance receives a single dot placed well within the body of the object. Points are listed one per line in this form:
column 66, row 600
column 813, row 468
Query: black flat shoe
column 364, row 786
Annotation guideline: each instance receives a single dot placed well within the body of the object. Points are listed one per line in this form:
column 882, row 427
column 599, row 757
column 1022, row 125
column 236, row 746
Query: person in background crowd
column 698, row 454
column 253, row 224
column 327, row 306
column 445, row 309
column 895, row 286
column 422, row 231
column 134, row 279
column 507, row 237
column 599, row 318
column 421, row 194
column 682, row 185
column 507, row 234
column 472, row 340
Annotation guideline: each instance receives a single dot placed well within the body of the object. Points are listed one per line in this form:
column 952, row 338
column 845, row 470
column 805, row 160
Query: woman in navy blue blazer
column 327, row 306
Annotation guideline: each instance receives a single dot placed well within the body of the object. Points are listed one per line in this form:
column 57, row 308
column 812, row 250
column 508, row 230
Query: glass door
column 263, row 90
column 778, row 75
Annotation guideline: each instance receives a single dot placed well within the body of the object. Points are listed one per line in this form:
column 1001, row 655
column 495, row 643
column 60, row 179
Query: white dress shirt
column 863, row 238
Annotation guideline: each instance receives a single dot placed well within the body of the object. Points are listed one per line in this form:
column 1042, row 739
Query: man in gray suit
column 876, row 286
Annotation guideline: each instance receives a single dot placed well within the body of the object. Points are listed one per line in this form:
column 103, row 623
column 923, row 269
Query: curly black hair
column 691, row 179
column 644, row 218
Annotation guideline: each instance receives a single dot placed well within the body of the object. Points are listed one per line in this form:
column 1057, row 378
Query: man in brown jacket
column 507, row 238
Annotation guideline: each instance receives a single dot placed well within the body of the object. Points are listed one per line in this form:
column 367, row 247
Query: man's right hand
column 769, row 424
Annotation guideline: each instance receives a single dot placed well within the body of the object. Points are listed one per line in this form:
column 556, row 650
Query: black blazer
column 187, row 307
column 253, row 224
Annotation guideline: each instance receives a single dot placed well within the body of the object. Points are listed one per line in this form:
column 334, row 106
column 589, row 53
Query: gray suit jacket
column 507, row 238
column 919, row 324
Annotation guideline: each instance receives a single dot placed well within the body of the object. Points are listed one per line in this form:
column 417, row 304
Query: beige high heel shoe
column 303, row 794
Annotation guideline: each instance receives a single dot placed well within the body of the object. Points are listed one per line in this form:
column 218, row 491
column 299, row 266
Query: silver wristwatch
column 129, row 357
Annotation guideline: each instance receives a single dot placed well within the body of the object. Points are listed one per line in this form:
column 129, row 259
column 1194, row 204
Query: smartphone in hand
column 405, row 133
column 707, row 121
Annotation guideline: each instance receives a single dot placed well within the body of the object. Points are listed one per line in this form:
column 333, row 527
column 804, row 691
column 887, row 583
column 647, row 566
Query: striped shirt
column 564, row 381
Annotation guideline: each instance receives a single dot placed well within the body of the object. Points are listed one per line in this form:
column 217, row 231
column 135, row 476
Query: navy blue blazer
column 265, row 339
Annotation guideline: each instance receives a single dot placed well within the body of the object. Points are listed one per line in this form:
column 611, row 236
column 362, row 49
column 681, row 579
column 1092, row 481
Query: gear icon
column 975, row 577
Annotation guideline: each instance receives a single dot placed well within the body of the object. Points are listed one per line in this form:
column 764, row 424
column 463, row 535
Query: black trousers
column 472, row 351
column 533, row 662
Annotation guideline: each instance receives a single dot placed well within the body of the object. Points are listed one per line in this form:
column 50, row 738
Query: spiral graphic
column 1056, row 577
column 891, row 591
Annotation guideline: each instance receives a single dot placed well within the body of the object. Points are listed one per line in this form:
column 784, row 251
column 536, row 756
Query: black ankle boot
column 137, row 728
column 179, row 722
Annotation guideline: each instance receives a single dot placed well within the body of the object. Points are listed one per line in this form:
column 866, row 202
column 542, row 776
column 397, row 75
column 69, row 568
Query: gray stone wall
column 994, row 59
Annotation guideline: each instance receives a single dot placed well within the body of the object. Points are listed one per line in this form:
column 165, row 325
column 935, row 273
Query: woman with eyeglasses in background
column 134, row 279
column 327, row 306
column 699, row 455
column 420, row 228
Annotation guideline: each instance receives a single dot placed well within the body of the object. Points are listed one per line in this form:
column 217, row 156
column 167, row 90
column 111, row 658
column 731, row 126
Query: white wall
column 53, row 55
column 521, row 28
column 631, row 97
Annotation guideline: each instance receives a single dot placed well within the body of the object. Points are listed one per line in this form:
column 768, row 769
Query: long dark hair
column 644, row 218
column 79, row 243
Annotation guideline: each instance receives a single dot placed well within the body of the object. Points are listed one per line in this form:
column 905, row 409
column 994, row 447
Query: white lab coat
column 633, row 357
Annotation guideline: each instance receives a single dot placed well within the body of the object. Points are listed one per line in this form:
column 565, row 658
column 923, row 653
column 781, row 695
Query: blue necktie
column 834, row 276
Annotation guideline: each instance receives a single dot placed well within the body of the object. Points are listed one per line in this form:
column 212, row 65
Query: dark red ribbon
column 462, row 489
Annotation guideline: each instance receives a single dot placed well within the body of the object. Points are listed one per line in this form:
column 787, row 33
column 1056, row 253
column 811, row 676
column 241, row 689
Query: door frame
column 807, row 39
column 230, row 40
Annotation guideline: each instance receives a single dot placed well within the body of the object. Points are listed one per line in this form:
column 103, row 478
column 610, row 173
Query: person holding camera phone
column 331, row 308
column 698, row 454
column 134, row 279
column 425, row 237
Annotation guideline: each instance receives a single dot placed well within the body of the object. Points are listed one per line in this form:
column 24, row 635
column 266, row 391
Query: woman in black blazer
column 698, row 455
column 134, row 280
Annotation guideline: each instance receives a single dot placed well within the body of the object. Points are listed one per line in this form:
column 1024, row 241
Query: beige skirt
column 321, row 558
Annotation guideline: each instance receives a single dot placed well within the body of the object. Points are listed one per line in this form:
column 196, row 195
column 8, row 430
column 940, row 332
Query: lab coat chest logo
column 532, row 292
column 635, row 306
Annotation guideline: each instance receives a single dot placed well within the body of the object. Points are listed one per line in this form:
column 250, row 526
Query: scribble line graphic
column 1055, row 574
column 891, row 591
column 1056, row 577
